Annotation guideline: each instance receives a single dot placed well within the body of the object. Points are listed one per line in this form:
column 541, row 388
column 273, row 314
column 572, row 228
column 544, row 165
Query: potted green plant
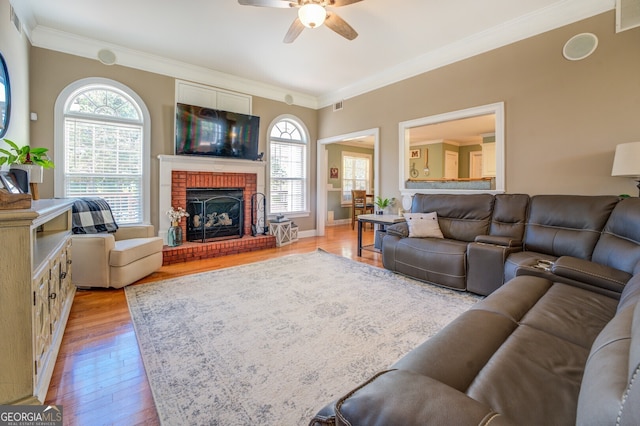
column 25, row 155
column 383, row 204
column 33, row 160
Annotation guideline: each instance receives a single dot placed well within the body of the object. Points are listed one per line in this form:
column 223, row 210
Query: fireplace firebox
column 214, row 214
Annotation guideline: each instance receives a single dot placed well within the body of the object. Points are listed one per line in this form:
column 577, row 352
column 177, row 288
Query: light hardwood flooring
column 99, row 377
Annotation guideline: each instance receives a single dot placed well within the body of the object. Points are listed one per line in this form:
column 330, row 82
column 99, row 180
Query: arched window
column 288, row 175
column 102, row 147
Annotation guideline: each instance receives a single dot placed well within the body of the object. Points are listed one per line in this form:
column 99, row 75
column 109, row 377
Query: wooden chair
column 359, row 205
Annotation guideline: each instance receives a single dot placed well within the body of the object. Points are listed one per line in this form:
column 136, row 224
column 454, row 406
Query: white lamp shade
column 312, row 15
column 627, row 160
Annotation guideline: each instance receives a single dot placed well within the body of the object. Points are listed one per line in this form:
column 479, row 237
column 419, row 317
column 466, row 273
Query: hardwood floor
column 99, row 378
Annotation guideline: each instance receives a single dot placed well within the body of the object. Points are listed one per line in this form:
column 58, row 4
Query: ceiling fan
column 311, row 14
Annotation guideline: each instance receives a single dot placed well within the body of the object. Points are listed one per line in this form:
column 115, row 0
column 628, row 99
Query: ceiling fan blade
column 268, row 3
column 340, row 26
column 294, row 31
column 338, row 3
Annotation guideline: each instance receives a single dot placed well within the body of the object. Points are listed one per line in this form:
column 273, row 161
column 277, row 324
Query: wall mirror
column 5, row 97
column 459, row 151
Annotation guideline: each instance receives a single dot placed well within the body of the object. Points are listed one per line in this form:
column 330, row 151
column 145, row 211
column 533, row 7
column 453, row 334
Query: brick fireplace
column 181, row 180
column 177, row 173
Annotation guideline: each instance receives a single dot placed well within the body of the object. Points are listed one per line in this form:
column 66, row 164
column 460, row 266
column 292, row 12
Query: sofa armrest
column 127, row 232
column 403, row 397
column 400, row 230
column 485, row 266
column 91, row 259
column 498, row 240
column 591, row 273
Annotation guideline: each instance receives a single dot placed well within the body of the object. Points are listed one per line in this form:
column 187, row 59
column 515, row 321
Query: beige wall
column 52, row 71
column 563, row 118
column 14, row 47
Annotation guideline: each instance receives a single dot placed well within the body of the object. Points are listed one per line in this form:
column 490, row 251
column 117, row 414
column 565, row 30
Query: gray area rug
column 270, row 343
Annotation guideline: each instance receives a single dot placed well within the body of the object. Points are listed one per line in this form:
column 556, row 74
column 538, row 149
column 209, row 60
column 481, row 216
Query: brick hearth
column 196, row 251
column 180, row 181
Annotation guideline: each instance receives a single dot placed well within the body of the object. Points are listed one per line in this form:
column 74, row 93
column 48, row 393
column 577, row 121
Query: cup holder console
column 544, row 264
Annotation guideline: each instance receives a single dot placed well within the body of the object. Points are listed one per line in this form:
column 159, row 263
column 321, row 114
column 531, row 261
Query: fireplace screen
column 214, row 214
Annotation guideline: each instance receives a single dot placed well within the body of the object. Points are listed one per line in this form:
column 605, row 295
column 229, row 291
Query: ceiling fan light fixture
column 312, row 15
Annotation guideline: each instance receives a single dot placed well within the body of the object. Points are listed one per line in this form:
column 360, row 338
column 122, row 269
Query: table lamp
column 626, row 162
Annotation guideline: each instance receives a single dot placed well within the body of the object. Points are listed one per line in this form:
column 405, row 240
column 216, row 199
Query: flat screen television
column 212, row 132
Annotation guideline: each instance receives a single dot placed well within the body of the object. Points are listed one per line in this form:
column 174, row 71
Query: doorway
column 370, row 137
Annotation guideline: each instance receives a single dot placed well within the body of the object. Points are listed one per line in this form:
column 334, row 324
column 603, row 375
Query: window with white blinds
column 288, row 188
column 356, row 173
column 104, row 150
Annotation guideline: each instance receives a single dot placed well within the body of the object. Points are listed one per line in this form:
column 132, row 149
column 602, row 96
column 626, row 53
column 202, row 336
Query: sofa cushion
column 423, row 225
column 125, row 275
column 619, row 244
column 509, row 215
column 438, row 261
column 128, row 251
column 456, row 356
column 461, row 217
column 566, row 225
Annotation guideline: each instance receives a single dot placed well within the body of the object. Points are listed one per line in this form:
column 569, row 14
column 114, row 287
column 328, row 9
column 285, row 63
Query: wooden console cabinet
column 36, row 294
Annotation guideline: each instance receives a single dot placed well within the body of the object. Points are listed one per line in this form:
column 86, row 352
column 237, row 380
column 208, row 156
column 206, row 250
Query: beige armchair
column 117, row 259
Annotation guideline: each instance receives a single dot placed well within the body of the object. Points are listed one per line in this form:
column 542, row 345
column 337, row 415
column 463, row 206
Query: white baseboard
column 339, row 222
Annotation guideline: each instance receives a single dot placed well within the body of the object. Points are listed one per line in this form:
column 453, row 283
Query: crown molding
column 538, row 22
column 52, row 39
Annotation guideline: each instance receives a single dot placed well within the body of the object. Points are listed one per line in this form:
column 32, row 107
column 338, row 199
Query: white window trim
column 306, row 212
column 360, row 155
column 58, row 143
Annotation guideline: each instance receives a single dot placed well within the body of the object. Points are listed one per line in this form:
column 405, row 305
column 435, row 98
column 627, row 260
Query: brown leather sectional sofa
column 491, row 239
column 558, row 344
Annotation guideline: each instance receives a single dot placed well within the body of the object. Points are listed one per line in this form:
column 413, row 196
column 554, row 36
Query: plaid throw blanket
column 92, row 216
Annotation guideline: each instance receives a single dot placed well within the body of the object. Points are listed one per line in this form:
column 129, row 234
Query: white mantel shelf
column 194, row 163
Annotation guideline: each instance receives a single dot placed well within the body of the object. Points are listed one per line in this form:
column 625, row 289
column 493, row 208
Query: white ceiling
column 220, row 40
column 463, row 131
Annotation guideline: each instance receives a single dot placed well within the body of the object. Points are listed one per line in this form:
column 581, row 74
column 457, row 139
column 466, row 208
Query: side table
column 383, row 220
column 282, row 232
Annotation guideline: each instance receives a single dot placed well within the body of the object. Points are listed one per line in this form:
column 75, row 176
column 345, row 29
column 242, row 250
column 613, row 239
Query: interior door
column 450, row 165
column 475, row 164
